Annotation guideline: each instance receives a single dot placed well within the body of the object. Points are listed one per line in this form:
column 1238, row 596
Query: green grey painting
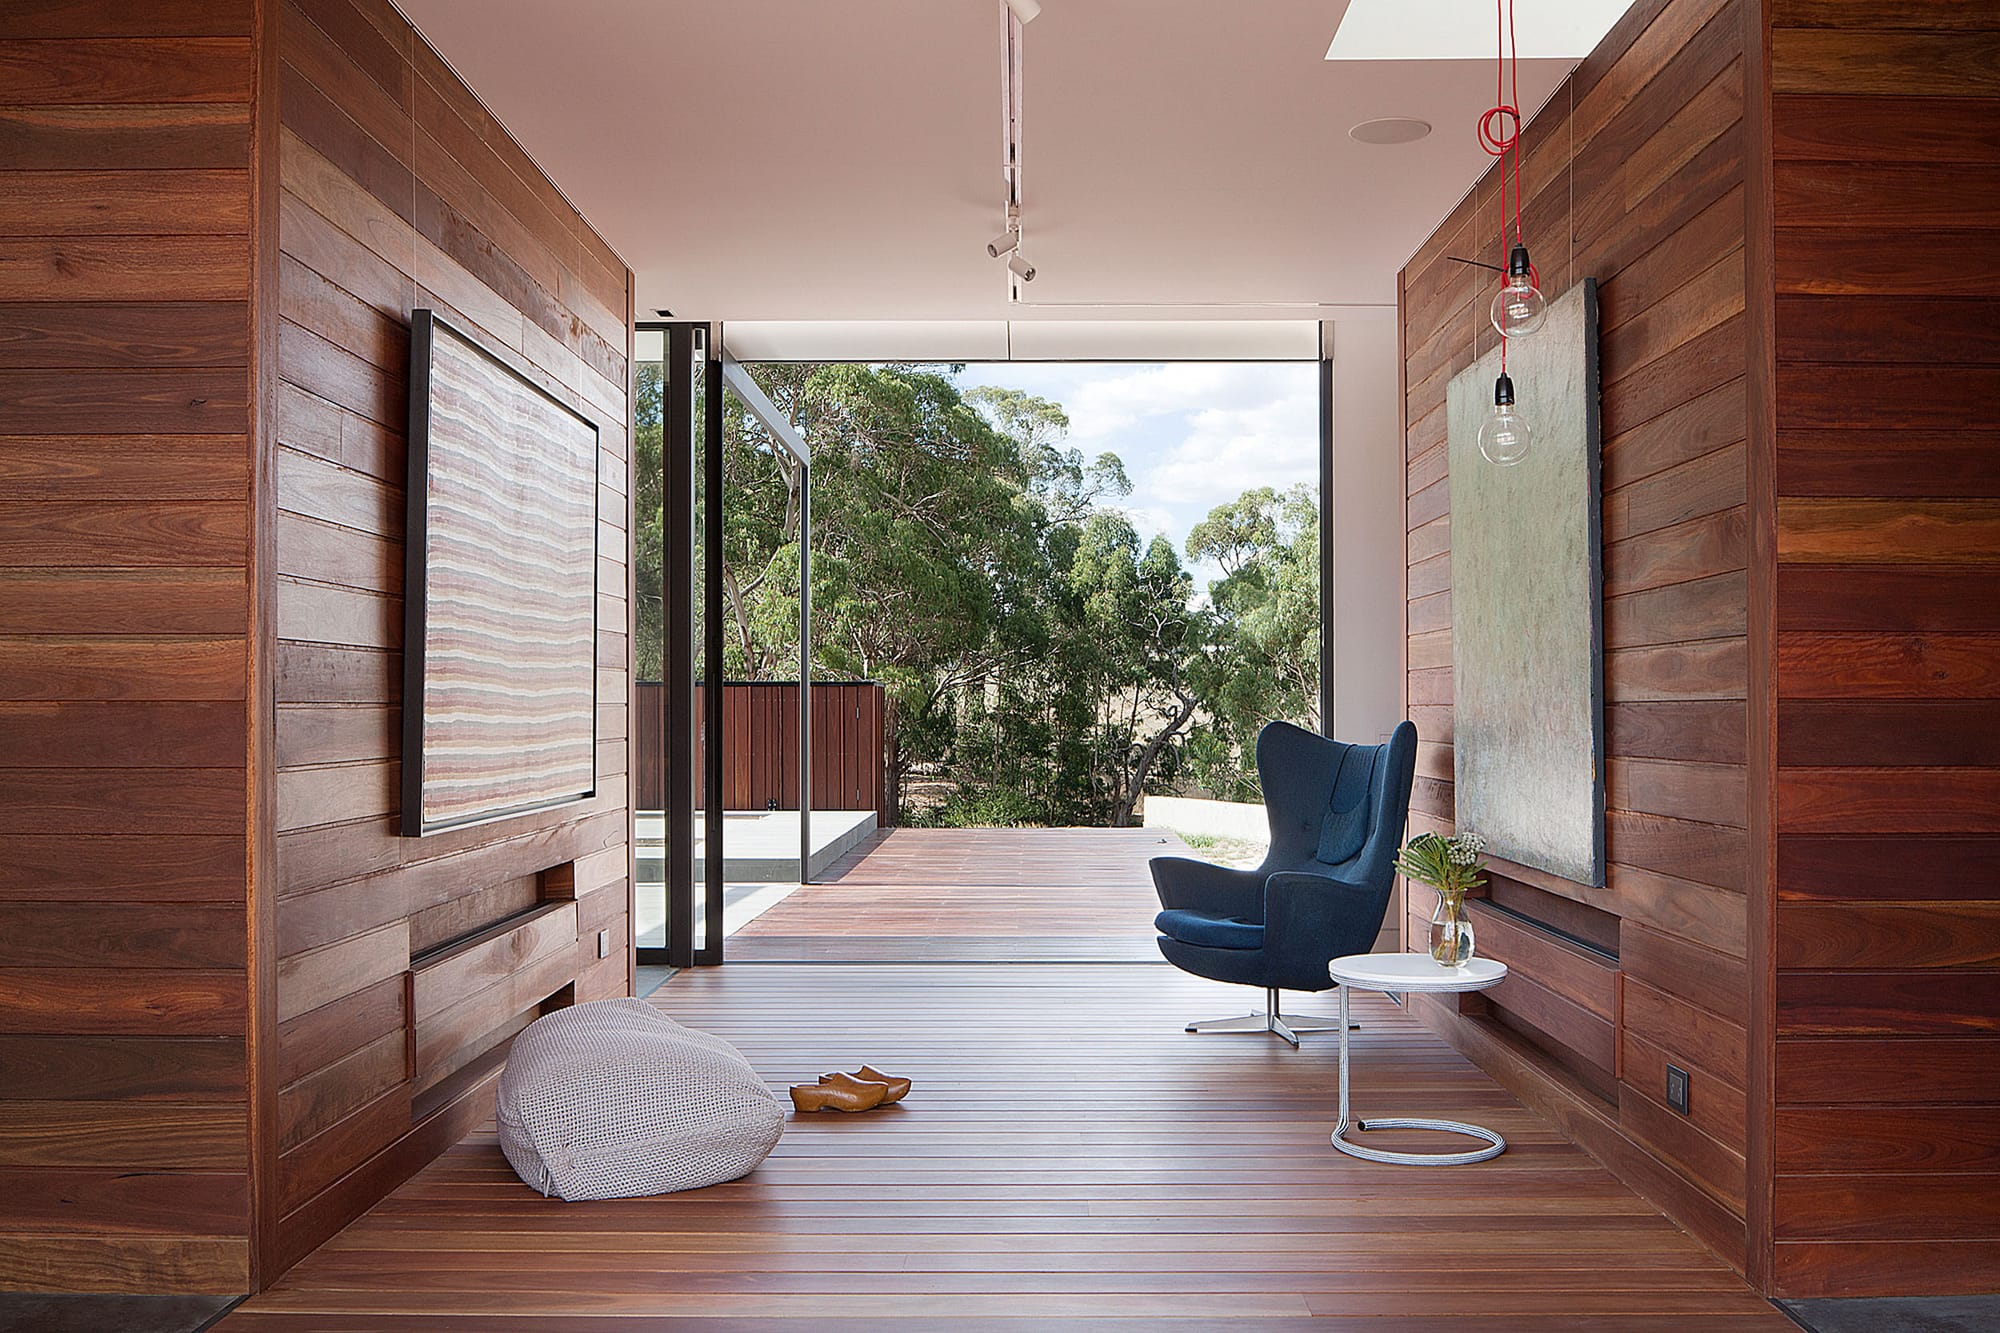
column 1528, row 603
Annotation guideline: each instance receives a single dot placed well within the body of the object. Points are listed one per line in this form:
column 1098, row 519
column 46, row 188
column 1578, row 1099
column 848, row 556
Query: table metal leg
column 1495, row 1145
column 1343, row 1066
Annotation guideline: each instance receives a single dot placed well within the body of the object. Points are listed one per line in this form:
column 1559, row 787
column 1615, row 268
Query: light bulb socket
column 1503, row 391
column 1518, row 265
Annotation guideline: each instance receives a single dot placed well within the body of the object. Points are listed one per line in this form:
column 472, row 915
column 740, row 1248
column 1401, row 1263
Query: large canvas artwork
column 500, row 698
column 1527, row 604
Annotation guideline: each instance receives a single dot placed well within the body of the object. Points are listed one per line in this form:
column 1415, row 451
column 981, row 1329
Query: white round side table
column 1406, row 972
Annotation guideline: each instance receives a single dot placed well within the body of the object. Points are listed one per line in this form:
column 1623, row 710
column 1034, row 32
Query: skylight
column 1464, row 29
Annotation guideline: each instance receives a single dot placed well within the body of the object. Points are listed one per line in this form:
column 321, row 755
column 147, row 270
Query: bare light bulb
column 1518, row 308
column 1505, row 435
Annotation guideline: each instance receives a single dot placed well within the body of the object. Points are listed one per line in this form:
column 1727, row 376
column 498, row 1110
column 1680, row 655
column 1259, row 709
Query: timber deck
column 1069, row 1158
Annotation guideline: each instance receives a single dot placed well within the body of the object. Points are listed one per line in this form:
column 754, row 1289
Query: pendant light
column 1505, row 435
column 1518, row 308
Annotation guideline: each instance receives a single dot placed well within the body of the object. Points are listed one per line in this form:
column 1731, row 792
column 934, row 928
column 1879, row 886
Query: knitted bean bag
column 613, row 1099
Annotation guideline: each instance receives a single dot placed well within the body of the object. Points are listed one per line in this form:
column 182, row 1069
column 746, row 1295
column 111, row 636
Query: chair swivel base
column 1271, row 1021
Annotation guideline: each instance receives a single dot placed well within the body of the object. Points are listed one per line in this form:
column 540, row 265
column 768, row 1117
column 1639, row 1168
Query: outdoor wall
column 126, row 434
column 1634, row 173
column 235, row 1007
column 1886, row 203
column 399, row 190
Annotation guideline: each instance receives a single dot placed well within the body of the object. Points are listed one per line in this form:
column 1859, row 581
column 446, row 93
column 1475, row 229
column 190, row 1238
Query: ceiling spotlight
column 1390, row 129
column 1025, row 10
column 1020, row 267
column 1006, row 242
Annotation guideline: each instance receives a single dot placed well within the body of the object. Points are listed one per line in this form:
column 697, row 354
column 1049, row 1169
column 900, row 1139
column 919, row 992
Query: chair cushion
column 611, row 1099
column 1209, row 931
column 1344, row 828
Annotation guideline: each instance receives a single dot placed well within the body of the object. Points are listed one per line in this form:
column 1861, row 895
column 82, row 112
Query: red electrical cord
column 1500, row 128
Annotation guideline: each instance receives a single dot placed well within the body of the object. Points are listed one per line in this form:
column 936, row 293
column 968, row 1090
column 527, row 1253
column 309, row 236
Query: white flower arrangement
column 1450, row 865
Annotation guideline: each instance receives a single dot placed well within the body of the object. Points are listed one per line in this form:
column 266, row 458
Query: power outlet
column 1677, row 1088
column 604, row 946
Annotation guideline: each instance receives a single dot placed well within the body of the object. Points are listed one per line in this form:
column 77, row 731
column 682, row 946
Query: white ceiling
column 804, row 160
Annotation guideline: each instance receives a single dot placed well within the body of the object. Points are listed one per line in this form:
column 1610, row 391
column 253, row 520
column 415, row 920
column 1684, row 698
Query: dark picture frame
column 495, row 402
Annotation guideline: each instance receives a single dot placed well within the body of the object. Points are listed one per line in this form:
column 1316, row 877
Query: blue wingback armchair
column 1337, row 814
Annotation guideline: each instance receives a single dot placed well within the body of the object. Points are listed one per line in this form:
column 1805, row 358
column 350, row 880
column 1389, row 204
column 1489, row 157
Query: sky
column 1193, row 435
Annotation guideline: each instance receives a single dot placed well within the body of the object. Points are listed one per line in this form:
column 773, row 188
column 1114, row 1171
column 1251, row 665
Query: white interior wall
column 1367, row 512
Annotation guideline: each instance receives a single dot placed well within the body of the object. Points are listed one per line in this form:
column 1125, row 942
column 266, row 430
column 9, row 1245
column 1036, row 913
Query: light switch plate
column 603, row 944
column 1677, row 1088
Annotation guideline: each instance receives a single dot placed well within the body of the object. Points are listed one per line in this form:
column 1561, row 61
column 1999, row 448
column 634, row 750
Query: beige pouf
column 613, row 1099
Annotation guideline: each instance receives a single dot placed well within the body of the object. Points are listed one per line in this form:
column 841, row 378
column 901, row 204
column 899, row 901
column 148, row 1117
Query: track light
column 1020, row 267
column 1005, row 243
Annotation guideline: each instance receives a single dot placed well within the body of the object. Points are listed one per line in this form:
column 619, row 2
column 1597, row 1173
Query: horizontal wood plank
column 1908, row 1002
column 139, row 1002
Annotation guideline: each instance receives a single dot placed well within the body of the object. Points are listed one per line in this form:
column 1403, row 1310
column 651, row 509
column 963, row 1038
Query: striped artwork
column 503, row 576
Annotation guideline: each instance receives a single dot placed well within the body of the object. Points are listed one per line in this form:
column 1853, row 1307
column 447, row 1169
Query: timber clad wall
column 235, row 1007
column 1634, row 175
column 1886, row 196
column 1802, row 539
column 125, row 444
column 400, row 191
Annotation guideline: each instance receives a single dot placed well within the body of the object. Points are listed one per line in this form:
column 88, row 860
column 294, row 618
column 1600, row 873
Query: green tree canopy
column 1044, row 664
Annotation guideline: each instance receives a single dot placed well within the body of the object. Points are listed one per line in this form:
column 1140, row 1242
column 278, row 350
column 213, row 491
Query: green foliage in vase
column 1450, row 865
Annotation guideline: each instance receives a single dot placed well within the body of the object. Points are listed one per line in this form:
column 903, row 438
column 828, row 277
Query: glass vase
column 1451, row 931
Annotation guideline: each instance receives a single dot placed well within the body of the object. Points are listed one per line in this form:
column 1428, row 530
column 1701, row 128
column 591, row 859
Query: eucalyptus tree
column 1044, row 664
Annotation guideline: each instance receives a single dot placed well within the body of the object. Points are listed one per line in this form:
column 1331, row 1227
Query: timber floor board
column 1068, row 1158
column 972, row 895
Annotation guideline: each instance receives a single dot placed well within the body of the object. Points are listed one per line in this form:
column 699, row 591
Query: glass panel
column 648, row 729
column 1144, row 581
column 698, row 647
column 764, row 525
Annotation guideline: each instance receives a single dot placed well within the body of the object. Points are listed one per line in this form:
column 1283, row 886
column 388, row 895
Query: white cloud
column 1151, row 522
column 1192, row 435
column 1120, row 399
column 1228, row 450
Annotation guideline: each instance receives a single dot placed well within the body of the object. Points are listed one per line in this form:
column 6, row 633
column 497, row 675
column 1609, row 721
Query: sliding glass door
column 670, row 430
column 647, row 735
column 721, row 749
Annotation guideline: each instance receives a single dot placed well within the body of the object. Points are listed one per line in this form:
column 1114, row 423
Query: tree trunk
column 1122, row 816
column 892, row 764
column 740, row 613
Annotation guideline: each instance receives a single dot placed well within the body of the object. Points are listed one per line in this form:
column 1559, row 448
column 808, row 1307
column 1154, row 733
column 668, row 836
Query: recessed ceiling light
column 1390, row 129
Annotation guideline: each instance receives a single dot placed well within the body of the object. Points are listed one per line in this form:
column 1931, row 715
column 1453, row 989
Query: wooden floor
column 972, row 895
column 1069, row 1158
